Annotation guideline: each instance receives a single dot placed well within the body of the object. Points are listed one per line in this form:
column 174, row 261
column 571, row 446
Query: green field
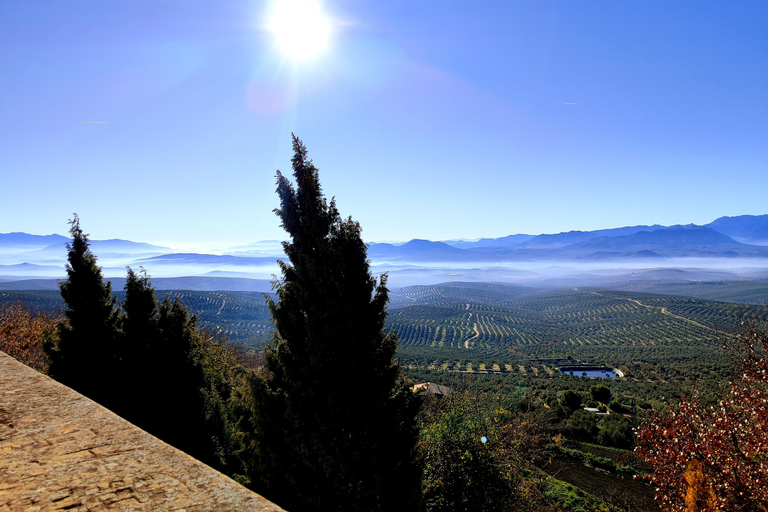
column 643, row 333
column 482, row 326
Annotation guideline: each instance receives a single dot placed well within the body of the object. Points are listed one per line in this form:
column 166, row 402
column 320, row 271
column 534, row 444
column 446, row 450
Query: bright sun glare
column 300, row 27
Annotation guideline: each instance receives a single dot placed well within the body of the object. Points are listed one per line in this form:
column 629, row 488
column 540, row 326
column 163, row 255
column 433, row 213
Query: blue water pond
column 578, row 372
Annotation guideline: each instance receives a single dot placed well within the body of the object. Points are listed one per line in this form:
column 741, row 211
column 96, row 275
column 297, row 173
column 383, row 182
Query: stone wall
column 61, row 451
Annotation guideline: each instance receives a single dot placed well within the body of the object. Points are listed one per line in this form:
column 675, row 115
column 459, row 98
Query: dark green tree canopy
column 140, row 307
column 171, row 385
column 336, row 419
column 87, row 351
column 616, row 431
column 600, row 393
column 582, row 426
column 571, row 399
column 149, row 362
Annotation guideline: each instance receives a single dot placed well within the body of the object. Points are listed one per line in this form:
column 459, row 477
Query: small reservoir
column 591, row 371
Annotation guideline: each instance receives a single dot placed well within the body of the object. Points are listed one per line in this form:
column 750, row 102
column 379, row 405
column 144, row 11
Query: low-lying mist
column 538, row 274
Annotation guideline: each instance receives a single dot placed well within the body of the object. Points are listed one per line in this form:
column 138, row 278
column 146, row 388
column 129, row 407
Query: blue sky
column 428, row 119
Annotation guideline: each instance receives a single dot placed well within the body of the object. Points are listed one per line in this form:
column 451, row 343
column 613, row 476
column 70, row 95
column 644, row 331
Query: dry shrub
column 716, row 458
column 22, row 333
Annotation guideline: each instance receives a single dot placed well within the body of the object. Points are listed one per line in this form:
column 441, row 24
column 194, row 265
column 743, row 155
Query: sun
column 300, row 27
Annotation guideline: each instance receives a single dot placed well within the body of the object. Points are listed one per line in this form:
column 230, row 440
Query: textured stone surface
column 62, row 451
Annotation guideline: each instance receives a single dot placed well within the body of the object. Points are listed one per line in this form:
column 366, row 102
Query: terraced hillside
column 472, row 320
column 680, row 335
column 745, row 291
column 240, row 316
column 501, row 324
column 455, row 293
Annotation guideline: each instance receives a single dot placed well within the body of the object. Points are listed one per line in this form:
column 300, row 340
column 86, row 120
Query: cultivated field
column 481, row 326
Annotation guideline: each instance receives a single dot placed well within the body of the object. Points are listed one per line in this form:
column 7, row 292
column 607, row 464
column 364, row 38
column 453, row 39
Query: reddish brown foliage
column 716, row 458
column 22, row 334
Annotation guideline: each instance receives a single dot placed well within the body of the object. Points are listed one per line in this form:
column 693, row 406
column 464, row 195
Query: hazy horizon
column 269, row 245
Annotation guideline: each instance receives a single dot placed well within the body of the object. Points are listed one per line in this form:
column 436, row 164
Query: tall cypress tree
column 335, row 420
column 144, row 365
column 86, row 356
column 141, row 308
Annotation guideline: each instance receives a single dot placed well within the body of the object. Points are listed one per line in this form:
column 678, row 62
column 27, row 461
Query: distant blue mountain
column 745, row 236
column 112, row 246
column 416, row 250
column 751, row 229
column 27, row 266
column 572, row 237
column 666, row 237
column 262, row 248
column 208, row 259
column 635, row 242
column 504, row 242
column 29, row 242
column 676, row 241
column 646, row 253
column 115, row 245
column 52, row 247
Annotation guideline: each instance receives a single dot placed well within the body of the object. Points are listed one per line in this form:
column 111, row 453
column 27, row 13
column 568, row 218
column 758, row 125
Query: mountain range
column 620, row 244
column 725, row 244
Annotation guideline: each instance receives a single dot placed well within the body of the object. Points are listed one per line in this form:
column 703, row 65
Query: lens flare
column 301, row 28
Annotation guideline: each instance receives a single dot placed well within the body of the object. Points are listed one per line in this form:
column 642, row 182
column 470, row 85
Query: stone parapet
column 61, row 451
